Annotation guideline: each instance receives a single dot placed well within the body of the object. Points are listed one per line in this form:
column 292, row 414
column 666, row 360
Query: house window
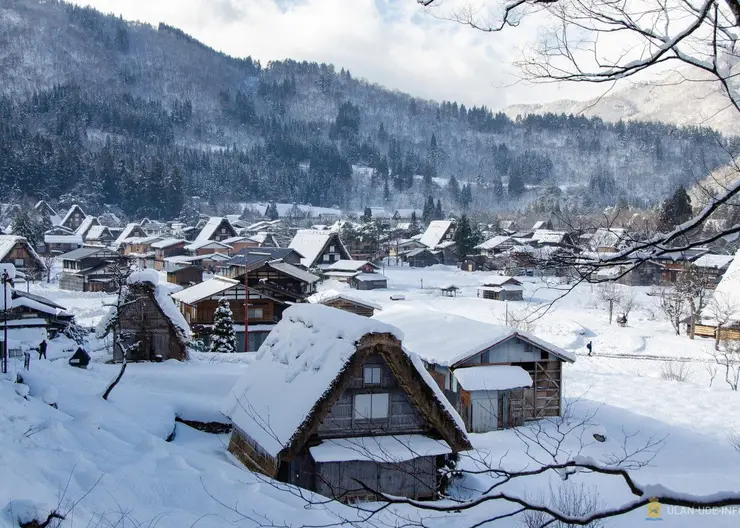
column 372, row 375
column 544, row 354
column 223, row 230
column 19, row 263
column 371, row 406
column 484, row 357
column 326, row 257
column 256, row 313
column 331, row 249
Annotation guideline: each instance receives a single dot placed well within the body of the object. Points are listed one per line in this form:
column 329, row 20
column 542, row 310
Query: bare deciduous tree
column 673, row 304
column 610, row 293
column 728, row 358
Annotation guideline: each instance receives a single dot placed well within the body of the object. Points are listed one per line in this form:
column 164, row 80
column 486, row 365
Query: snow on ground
column 117, row 450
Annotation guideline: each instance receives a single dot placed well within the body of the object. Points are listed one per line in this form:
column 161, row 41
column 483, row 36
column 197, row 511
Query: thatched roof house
column 148, row 325
column 329, row 387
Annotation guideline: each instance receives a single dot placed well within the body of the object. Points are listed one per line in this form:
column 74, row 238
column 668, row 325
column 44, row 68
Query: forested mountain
column 99, row 110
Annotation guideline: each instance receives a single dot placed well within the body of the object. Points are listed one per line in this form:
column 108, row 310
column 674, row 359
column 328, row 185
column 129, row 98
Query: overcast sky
column 390, row 42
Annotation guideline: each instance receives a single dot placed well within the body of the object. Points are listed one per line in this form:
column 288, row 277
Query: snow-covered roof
column 206, row 244
column 63, row 239
column 493, row 377
column 86, row 224
column 205, row 289
column 725, row 303
column 97, row 231
column 8, row 242
column 713, row 261
column 72, row 209
column 35, row 302
column 311, row 242
column 494, row 242
column 370, row 277
column 167, row 242
column 446, row 339
column 210, row 228
column 500, row 280
column 294, row 368
column 350, row 265
column 333, row 295
column 608, row 237
column 547, row 236
column 235, row 239
column 435, row 232
column 389, row 448
column 293, row 271
column 126, row 233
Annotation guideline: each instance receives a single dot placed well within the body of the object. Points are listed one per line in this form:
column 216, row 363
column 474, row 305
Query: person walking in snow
column 590, row 348
column 42, row 349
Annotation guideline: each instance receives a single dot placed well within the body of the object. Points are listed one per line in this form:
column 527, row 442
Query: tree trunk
column 692, row 321
column 611, row 310
column 716, row 336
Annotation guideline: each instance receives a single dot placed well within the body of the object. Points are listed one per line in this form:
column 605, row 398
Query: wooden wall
column 403, row 418
column 349, row 306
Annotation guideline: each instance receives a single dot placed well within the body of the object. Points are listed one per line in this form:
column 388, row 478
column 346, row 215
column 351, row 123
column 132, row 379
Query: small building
column 17, row 251
column 99, row 235
column 168, row 247
column 217, row 228
column 74, row 218
column 132, row 230
column 148, row 326
column 207, row 247
column 501, row 288
column 437, row 232
column 366, row 414
column 497, row 245
column 493, row 398
column 422, row 258
column 265, row 239
column 28, row 310
column 320, row 248
column 359, row 274
column 347, row 302
column 722, row 313
column 369, row 281
column 90, row 269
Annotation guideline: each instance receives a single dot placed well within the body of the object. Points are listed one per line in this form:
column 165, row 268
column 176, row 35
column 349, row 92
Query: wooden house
column 168, row 247
column 42, row 209
column 437, row 232
column 365, row 418
column 238, row 243
column 99, row 235
column 186, row 270
column 501, row 288
column 28, row 310
column 88, row 223
column 497, row 245
column 609, row 240
column 495, row 398
column 132, row 230
column 422, row 258
column 712, row 267
column 148, row 326
column 59, row 240
column 73, row 218
column 320, row 248
column 235, row 265
column 207, row 247
column 673, row 263
column 217, row 228
column 347, row 302
column 265, row 239
column 17, row 251
column 90, row 269
column 360, row 274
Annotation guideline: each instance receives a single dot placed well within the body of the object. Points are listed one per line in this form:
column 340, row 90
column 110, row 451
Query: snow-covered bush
column 675, row 371
column 223, row 338
column 78, row 334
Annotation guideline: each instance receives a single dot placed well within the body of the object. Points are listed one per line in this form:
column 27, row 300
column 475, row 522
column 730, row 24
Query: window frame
column 376, row 402
column 373, row 369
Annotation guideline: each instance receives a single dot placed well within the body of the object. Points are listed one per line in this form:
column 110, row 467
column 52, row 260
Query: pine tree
column 367, row 215
column 516, row 185
column 438, row 214
column 498, row 189
column 675, row 210
column 466, row 196
column 464, row 239
column 453, row 187
column 272, row 211
column 223, row 338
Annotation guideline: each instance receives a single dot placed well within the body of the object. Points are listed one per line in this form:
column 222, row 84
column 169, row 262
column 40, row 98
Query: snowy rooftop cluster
column 294, row 368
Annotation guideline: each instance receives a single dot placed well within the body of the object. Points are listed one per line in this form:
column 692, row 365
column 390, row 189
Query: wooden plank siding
column 202, row 313
column 710, row 331
column 349, row 306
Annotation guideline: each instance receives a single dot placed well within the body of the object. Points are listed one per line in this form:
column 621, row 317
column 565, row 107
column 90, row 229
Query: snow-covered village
column 489, row 278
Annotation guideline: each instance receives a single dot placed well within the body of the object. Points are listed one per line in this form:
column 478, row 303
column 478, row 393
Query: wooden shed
column 507, row 396
column 346, row 302
column 148, row 325
column 501, row 288
column 365, row 419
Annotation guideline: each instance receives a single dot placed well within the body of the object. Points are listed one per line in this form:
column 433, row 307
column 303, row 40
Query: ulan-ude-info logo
column 653, row 511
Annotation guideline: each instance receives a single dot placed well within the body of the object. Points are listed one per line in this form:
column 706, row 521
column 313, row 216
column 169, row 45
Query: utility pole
column 5, row 321
column 246, row 299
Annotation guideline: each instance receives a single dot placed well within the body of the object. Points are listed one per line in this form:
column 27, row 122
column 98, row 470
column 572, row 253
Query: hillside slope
column 100, row 110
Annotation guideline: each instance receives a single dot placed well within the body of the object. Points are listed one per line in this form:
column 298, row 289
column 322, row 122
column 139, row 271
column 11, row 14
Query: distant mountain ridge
column 671, row 99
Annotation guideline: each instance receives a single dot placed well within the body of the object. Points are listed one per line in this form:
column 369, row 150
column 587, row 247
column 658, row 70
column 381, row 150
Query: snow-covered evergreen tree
column 223, row 338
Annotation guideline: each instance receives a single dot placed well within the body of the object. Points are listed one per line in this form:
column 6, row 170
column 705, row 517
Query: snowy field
column 110, row 464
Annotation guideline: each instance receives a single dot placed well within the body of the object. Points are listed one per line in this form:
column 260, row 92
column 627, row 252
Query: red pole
column 246, row 300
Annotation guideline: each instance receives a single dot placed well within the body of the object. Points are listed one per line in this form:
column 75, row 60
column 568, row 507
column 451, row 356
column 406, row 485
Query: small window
column 332, row 249
column 19, row 263
column 326, row 257
column 256, row 313
column 372, row 375
column 371, row 406
column 544, row 354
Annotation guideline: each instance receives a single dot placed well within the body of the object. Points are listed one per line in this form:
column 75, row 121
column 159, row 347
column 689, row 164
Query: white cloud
column 384, row 41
